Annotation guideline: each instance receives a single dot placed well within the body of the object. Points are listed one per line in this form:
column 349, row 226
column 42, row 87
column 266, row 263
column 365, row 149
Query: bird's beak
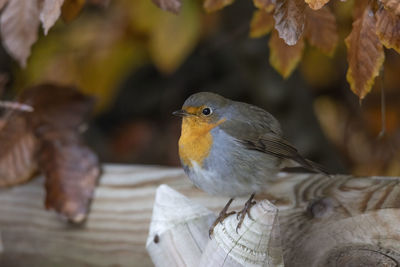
column 180, row 113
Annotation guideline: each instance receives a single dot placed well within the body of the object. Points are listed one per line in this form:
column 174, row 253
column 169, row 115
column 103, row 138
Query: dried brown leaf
column 49, row 137
column 282, row 57
column 19, row 28
column 359, row 7
column 70, row 167
column 71, row 8
column 365, row 54
column 18, row 147
column 214, row 5
column 289, row 20
column 58, row 106
column 173, row 6
column 261, row 23
column 316, row 4
column 388, row 29
column 71, row 170
column 392, row 5
column 267, row 5
column 321, row 29
column 49, row 14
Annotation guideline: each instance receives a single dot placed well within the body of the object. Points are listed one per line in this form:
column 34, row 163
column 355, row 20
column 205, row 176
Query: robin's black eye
column 206, row 111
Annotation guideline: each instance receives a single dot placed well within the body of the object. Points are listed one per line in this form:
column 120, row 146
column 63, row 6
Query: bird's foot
column 222, row 215
column 246, row 210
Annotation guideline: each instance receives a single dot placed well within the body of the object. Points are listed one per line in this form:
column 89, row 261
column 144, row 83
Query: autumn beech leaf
column 316, row 4
column 359, row 7
column 48, row 139
column 18, row 148
column 173, row 6
column 71, row 170
column 266, row 5
column 365, row 54
column 214, row 5
column 321, row 30
column 261, row 23
column 284, row 58
column 289, row 20
column 53, row 105
column 388, row 29
column 392, row 5
column 19, row 28
column 49, row 14
column 71, row 8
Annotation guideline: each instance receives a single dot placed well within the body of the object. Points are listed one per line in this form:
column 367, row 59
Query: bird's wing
column 267, row 141
column 252, row 117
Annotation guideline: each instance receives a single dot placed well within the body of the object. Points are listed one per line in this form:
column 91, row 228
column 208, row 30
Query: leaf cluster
column 292, row 22
column 48, row 139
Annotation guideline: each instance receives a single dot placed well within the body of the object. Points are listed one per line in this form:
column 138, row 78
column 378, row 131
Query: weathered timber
column 339, row 220
column 324, row 221
column 116, row 229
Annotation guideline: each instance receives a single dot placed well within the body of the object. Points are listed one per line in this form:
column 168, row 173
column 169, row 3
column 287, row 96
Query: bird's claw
column 246, row 210
column 222, row 215
column 220, row 219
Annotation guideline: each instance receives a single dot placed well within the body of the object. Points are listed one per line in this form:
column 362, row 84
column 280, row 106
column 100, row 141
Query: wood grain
column 324, row 220
column 115, row 232
column 339, row 220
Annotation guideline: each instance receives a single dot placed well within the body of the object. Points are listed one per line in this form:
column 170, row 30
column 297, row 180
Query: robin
column 230, row 148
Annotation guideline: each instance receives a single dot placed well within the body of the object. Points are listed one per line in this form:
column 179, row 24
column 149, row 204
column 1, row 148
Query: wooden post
column 113, row 235
column 178, row 229
column 339, row 220
column 323, row 221
column 256, row 243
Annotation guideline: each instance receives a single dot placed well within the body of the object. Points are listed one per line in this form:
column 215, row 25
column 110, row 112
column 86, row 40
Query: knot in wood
column 156, row 239
column 320, row 207
column 361, row 255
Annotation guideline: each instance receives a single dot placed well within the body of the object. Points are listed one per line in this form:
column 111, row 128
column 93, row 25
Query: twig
column 16, row 106
column 383, row 107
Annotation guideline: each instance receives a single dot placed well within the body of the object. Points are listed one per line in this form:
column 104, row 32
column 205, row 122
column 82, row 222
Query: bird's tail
column 317, row 167
column 305, row 166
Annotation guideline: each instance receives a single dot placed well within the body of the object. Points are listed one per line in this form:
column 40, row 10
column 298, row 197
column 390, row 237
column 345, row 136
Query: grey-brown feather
column 256, row 129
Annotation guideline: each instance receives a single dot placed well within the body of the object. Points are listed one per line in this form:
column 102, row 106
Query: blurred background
column 141, row 63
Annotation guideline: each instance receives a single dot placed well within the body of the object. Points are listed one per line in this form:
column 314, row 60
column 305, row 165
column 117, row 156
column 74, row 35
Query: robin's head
column 203, row 107
column 201, row 113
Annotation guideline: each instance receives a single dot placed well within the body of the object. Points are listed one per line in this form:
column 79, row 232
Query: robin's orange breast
column 196, row 140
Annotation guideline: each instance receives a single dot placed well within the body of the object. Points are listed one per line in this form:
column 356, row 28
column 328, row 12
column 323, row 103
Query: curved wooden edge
column 116, row 229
